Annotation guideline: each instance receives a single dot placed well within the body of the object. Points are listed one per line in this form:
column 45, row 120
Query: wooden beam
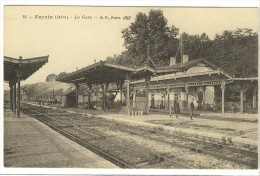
column 121, row 92
column 11, row 85
column 127, row 81
column 105, row 86
column 187, row 96
column 254, row 96
column 77, row 95
column 89, row 94
column 147, row 83
column 14, row 98
column 241, row 101
column 223, row 86
column 19, row 87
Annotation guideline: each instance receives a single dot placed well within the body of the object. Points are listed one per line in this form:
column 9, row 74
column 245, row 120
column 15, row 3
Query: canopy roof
column 28, row 67
column 213, row 76
column 245, row 79
column 103, row 72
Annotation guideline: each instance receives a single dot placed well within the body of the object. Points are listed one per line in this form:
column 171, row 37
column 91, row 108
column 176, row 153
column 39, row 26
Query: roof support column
column 104, row 96
column 134, row 97
column 77, row 95
column 168, row 97
column 187, row 96
column 147, row 83
column 18, row 97
column 127, row 82
column 204, row 94
column 121, row 93
column 14, row 99
column 19, row 87
column 11, row 85
column 89, row 94
column 254, row 96
column 241, row 101
column 243, row 89
column 223, row 86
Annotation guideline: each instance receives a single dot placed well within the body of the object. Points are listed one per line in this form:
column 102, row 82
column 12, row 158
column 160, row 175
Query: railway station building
column 147, row 88
column 199, row 81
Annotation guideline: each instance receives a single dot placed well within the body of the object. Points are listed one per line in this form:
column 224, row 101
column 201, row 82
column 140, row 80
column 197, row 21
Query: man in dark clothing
column 176, row 108
column 191, row 109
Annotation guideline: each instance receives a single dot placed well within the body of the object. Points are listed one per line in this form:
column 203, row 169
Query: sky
column 81, row 35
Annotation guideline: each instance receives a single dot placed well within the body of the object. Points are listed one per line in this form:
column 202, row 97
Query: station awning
column 103, row 72
column 16, row 70
column 182, row 79
column 28, row 67
column 245, row 79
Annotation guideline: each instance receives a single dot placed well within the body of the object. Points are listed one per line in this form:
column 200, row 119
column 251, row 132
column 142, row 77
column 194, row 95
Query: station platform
column 30, row 143
column 244, row 133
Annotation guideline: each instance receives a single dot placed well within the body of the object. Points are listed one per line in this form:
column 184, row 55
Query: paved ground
column 29, row 143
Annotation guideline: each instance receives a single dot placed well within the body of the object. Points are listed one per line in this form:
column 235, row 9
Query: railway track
column 121, row 154
column 75, row 128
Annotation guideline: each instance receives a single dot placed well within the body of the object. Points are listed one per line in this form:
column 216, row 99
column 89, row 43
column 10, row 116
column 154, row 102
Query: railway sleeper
column 147, row 163
column 142, row 164
column 60, row 114
column 64, row 126
column 178, row 163
column 198, row 150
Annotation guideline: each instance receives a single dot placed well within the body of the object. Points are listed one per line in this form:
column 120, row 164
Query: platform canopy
column 16, row 70
column 198, row 77
column 27, row 67
column 191, row 79
column 103, row 72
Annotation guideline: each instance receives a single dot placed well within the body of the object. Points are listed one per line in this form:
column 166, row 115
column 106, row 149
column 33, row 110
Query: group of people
column 48, row 101
column 175, row 107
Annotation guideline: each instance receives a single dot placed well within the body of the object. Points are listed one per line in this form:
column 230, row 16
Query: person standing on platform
column 191, row 109
column 40, row 101
column 171, row 109
column 176, row 108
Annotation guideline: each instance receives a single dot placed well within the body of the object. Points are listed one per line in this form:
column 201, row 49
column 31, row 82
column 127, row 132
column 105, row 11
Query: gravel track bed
column 163, row 137
column 192, row 159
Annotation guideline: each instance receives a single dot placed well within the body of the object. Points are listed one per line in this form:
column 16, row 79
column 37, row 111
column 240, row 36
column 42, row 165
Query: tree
column 51, row 78
column 236, row 52
column 61, row 74
column 196, row 46
column 123, row 59
column 149, row 34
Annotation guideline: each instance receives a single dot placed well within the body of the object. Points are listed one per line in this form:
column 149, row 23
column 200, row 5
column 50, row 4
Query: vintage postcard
column 143, row 89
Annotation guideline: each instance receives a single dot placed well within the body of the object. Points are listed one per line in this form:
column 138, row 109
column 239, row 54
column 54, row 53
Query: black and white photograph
column 166, row 88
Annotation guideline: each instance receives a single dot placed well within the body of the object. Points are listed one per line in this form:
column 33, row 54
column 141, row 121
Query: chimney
column 185, row 58
column 172, row 61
